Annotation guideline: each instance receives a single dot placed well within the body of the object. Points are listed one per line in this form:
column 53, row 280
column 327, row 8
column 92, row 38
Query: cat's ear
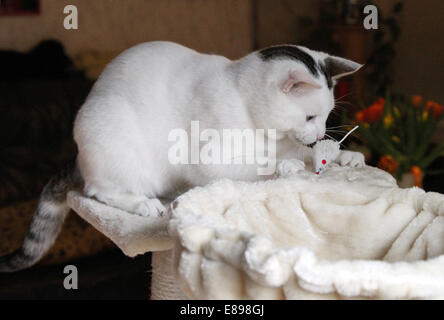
column 299, row 80
column 339, row 67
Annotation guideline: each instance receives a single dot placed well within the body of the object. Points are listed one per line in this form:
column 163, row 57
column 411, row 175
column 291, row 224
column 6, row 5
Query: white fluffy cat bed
column 348, row 233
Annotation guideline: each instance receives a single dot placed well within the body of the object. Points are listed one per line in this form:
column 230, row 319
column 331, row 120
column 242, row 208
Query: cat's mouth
column 293, row 137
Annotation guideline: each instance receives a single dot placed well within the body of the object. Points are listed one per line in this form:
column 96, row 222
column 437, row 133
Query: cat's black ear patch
column 327, row 75
column 338, row 67
column 291, row 52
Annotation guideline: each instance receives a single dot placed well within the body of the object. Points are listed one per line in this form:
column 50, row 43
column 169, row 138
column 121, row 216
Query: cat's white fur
column 122, row 129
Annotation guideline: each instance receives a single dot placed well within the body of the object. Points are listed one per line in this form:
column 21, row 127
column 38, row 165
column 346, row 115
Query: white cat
column 122, row 129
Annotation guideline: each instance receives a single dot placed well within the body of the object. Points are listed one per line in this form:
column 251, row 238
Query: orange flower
column 380, row 101
column 435, row 107
column 373, row 113
column 360, row 116
column 388, row 164
column 417, row 176
column 417, row 100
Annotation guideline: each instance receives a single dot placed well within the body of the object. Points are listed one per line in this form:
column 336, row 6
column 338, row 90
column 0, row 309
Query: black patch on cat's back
column 292, row 52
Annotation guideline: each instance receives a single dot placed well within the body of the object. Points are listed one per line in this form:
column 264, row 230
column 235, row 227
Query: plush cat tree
column 346, row 233
column 134, row 235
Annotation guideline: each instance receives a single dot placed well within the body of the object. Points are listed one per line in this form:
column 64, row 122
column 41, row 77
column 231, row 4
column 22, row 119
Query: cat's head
column 296, row 90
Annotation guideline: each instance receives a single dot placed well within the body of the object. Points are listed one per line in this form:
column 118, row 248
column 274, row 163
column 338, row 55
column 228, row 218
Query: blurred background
column 47, row 71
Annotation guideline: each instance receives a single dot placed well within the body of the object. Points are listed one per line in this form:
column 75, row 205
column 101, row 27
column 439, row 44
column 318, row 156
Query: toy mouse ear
column 339, row 67
column 301, row 80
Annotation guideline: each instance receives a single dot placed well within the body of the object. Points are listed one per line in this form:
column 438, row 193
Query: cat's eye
column 309, row 118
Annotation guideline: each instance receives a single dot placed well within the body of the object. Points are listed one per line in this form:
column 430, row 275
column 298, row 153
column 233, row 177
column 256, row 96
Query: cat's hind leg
column 137, row 204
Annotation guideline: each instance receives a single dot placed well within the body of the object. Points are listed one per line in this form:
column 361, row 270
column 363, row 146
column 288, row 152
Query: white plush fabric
column 133, row 234
column 348, row 233
column 163, row 281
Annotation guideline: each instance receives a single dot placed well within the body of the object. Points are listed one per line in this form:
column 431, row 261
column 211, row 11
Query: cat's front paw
column 289, row 167
column 150, row 208
column 351, row 159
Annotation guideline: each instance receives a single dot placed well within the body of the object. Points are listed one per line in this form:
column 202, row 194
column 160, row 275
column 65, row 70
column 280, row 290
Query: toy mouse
column 327, row 151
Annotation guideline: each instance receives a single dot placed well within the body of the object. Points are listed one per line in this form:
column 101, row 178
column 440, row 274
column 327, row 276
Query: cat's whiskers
column 336, row 111
column 343, row 96
column 346, row 103
column 329, row 136
column 336, row 131
column 342, row 126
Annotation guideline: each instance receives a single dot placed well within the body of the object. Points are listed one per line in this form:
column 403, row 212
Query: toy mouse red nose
column 324, row 161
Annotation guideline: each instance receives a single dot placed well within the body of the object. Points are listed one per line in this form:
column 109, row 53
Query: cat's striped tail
column 46, row 223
